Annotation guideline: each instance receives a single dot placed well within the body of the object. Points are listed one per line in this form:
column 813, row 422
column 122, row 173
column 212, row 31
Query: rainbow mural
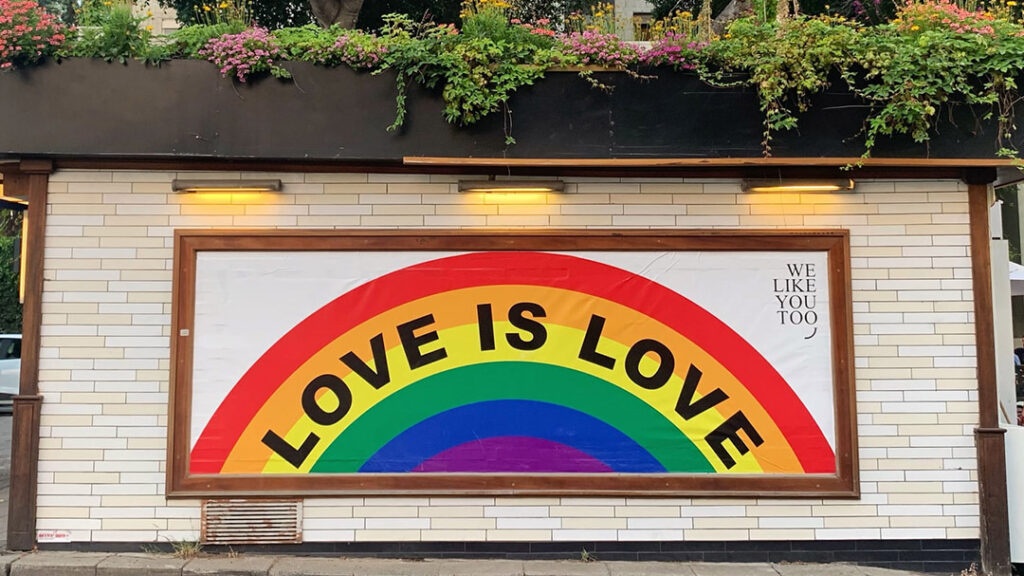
column 459, row 364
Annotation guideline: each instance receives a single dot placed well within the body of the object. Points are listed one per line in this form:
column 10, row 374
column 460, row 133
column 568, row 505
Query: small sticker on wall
column 53, row 536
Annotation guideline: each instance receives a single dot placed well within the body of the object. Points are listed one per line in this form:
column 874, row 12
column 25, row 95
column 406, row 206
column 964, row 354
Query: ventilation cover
column 242, row 521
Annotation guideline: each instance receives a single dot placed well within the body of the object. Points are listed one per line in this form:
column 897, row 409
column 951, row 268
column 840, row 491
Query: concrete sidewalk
column 138, row 564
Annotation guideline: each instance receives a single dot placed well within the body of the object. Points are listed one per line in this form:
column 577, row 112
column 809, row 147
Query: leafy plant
column 188, row 41
column 936, row 54
column 186, row 549
column 477, row 70
column 212, row 21
column 112, row 31
column 28, row 33
column 333, row 46
column 785, row 62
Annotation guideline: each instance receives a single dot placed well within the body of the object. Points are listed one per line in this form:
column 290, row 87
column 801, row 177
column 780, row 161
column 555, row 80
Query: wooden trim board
column 989, row 437
column 28, row 180
column 710, row 162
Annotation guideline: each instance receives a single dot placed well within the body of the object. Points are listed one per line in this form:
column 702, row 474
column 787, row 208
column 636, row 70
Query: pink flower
column 27, row 33
column 596, row 48
column 252, row 50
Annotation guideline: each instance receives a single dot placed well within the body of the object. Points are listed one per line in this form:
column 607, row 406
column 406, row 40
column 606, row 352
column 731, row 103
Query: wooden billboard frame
column 187, row 243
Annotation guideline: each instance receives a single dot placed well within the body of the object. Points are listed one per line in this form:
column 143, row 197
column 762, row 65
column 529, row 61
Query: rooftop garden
column 908, row 64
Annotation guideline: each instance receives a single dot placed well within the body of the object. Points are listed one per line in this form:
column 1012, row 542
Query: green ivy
column 905, row 71
column 909, row 77
column 477, row 69
column 787, row 63
column 112, row 31
column 908, row 72
column 189, row 40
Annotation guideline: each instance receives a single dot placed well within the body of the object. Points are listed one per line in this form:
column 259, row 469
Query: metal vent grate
column 252, row 521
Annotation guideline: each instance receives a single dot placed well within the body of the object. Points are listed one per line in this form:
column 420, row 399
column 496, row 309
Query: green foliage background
column 274, row 14
column 10, row 308
column 664, row 8
column 270, row 14
column 1011, row 220
column 371, row 17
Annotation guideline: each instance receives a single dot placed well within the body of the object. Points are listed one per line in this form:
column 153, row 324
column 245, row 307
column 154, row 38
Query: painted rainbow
column 459, row 364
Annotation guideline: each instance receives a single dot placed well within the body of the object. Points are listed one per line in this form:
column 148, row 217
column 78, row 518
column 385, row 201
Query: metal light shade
column 226, row 185
column 798, row 185
column 511, row 186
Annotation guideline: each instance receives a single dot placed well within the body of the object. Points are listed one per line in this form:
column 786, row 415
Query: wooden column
column 989, row 438
column 28, row 181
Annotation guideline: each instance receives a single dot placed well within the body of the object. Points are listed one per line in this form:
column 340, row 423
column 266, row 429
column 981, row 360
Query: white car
column 10, row 368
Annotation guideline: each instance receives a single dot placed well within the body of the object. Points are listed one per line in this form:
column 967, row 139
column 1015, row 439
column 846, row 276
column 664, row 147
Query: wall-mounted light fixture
column 511, row 186
column 226, row 185
column 797, row 185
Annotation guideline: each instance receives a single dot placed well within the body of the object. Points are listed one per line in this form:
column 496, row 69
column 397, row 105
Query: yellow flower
column 915, row 27
column 150, row 28
column 206, row 8
column 1011, row 3
column 149, row 14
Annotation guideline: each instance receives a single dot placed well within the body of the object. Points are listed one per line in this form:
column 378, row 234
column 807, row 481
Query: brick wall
column 105, row 355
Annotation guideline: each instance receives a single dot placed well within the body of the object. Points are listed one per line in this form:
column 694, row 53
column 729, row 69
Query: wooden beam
column 706, row 162
column 21, row 525
column 35, row 166
column 698, row 171
column 990, row 439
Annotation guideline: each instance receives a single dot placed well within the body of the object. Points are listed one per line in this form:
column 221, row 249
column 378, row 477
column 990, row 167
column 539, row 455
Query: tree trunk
column 732, row 11
column 344, row 13
column 782, row 11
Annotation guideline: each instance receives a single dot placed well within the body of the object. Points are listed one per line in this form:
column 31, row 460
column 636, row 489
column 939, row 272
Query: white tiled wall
column 105, row 354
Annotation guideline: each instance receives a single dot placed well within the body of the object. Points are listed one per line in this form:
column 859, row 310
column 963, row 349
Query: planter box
column 184, row 109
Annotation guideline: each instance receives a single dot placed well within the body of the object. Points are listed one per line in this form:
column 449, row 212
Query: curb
column 136, row 564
